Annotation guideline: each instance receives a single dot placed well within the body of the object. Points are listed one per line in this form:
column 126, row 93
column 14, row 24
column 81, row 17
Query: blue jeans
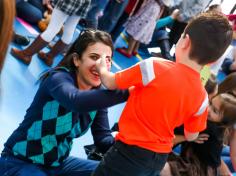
column 31, row 11
column 111, row 15
column 96, row 7
column 12, row 166
column 129, row 160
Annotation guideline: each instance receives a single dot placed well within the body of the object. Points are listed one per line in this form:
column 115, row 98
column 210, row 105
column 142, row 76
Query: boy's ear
column 186, row 41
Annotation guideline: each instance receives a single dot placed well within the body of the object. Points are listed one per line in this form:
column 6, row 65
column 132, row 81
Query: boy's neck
column 192, row 64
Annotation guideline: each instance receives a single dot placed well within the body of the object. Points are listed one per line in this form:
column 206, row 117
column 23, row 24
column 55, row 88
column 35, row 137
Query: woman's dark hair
column 86, row 38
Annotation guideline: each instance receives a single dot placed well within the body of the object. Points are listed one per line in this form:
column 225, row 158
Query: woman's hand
column 202, row 138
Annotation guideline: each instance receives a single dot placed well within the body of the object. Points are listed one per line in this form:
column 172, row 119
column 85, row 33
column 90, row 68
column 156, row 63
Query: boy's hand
column 101, row 64
column 108, row 78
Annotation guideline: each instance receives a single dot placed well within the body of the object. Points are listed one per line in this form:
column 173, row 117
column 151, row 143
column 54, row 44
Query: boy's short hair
column 210, row 34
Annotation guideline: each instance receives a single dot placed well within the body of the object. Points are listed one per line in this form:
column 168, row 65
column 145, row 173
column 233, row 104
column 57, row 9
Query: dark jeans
column 30, row 11
column 127, row 160
column 97, row 6
column 12, row 166
column 112, row 13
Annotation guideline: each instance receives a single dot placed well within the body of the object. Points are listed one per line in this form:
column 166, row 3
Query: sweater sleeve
column 61, row 87
column 101, row 131
column 163, row 22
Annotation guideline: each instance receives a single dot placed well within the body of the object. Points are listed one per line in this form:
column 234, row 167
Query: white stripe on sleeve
column 203, row 106
column 147, row 71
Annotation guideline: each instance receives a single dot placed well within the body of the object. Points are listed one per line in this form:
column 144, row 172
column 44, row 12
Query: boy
column 165, row 95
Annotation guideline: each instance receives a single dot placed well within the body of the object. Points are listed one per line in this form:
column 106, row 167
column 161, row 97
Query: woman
column 65, row 13
column 7, row 15
column 68, row 102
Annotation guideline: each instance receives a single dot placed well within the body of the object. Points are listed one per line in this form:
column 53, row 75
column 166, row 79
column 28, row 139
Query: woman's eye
column 94, row 57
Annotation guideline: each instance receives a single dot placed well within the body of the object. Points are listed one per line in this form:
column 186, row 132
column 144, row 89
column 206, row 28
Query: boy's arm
column 138, row 75
column 189, row 136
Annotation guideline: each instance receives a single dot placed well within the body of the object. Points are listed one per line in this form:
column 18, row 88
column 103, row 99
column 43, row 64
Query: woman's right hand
column 202, row 138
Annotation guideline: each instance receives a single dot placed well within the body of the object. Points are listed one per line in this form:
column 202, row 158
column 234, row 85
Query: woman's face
column 214, row 114
column 87, row 76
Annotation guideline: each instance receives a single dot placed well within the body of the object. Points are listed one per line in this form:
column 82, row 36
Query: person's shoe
column 156, row 54
column 134, row 53
column 21, row 55
column 25, row 55
column 48, row 58
column 20, row 39
column 123, row 52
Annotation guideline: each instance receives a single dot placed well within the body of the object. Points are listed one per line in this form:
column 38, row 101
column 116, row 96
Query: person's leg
column 91, row 20
column 57, row 20
column 11, row 166
column 38, row 4
column 126, row 160
column 28, row 12
column 68, row 32
column 128, row 51
column 176, row 31
column 73, row 166
column 136, row 47
column 112, row 14
column 119, row 26
column 131, row 45
column 165, row 49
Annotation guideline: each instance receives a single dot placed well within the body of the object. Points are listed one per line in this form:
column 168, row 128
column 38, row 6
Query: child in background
column 140, row 26
column 165, row 95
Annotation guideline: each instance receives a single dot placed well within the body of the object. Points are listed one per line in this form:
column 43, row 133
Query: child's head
column 205, row 38
column 222, row 109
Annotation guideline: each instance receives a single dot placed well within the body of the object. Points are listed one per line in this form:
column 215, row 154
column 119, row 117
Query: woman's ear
column 76, row 59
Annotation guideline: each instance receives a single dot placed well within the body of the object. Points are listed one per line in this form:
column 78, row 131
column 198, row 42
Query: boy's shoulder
column 160, row 62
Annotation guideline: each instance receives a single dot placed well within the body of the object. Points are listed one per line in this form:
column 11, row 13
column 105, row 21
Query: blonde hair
column 7, row 15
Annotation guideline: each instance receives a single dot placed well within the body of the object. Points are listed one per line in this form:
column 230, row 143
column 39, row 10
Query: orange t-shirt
column 166, row 95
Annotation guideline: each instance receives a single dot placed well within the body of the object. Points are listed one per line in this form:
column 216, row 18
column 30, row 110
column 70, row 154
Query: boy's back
column 167, row 96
